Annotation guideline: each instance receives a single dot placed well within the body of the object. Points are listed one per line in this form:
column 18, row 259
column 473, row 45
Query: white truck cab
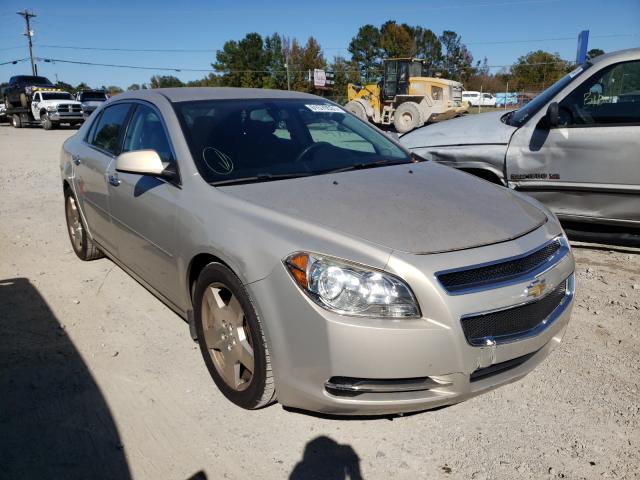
column 479, row 99
column 54, row 106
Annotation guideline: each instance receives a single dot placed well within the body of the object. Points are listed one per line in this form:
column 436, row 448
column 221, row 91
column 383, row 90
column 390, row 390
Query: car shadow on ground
column 54, row 421
column 325, row 459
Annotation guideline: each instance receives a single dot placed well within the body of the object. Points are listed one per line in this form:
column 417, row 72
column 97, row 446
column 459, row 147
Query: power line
column 14, row 61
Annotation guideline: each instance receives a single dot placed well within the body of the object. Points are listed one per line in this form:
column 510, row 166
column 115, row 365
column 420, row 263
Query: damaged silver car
column 574, row 147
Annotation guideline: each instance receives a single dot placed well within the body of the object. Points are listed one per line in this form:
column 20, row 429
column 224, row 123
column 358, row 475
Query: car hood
column 417, row 208
column 480, row 129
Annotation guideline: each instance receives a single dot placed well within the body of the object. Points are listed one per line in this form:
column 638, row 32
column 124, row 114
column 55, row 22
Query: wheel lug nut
column 223, row 336
column 233, row 342
column 229, row 347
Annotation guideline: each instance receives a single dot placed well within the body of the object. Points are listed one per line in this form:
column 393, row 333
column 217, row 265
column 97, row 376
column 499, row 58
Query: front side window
column 519, row 117
column 109, row 128
column 436, row 93
column 612, row 96
column 146, row 132
column 262, row 139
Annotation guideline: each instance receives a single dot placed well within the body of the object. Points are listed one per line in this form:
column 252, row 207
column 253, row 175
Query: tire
column 24, row 100
column 47, row 124
column 407, row 117
column 82, row 245
column 357, row 109
column 231, row 338
column 16, row 121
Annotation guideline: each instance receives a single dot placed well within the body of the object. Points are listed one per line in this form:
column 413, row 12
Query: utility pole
column 27, row 17
column 286, row 65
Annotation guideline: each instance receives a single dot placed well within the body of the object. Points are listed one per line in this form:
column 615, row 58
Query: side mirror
column 552, row 117
column 143, row 162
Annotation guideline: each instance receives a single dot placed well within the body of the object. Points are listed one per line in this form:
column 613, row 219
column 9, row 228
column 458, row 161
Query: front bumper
column 314, row 350
column 66, row 117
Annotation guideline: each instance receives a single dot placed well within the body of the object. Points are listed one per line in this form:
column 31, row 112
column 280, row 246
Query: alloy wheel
column 227, row 336
column 74, row 223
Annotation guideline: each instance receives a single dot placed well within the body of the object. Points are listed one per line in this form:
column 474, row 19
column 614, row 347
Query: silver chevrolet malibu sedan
column 314, row 258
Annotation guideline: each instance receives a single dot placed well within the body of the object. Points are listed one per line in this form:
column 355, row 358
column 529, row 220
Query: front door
column 587, row 168
column 143, row 207
column 91, row 164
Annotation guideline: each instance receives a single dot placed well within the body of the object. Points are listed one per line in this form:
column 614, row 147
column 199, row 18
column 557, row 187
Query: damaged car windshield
column 243, row 141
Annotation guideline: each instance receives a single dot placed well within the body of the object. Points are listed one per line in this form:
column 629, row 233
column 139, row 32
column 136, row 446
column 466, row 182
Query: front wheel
column 231, row 338
column 407, row 117
column 47, row 124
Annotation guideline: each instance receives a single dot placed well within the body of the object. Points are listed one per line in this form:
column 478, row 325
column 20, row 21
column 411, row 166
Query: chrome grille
column 514, row 322
column 499, row 272
column 69, row 108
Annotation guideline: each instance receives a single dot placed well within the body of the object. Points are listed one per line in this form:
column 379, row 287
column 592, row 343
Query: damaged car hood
column 417, row 208
column 480, row 129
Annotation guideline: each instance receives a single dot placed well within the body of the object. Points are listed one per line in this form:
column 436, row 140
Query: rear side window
column 109, row 128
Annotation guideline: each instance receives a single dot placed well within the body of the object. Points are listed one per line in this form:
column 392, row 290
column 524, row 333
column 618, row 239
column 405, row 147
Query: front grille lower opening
column 497, row 368
column 512, row 322
column 497, row 272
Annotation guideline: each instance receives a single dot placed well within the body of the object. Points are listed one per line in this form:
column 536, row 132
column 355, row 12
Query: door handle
column 113, row 180
column 76, row 159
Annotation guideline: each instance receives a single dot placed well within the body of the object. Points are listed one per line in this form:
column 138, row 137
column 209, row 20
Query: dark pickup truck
column 20, row 90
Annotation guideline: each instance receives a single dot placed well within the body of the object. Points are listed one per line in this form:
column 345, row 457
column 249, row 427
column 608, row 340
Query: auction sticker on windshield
column 326, row 108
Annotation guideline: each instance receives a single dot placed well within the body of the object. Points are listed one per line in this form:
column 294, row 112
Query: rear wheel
column 16, row 121
column 357, row 109
column 82, row 245
column 407, row 117
column 231, row 338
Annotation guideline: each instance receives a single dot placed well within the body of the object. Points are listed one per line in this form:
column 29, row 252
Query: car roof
column 188, row 94
column 620, row 55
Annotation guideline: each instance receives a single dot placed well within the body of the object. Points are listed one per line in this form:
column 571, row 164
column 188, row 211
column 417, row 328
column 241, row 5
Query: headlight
column 351, row 289
column 51, row 108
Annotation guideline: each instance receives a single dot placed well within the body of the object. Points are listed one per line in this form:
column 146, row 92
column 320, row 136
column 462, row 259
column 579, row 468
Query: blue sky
column 501, row 30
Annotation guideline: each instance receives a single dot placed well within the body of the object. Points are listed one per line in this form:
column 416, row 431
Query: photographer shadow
column 54, row 421
column 326, row 459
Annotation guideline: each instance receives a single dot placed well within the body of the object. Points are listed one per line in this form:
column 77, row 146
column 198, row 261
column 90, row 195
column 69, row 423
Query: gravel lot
column 99, row 380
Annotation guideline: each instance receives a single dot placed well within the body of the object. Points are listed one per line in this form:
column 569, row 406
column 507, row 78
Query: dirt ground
column 99, row 380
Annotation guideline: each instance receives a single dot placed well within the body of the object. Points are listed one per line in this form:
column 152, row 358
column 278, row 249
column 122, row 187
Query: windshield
column 265, row 139
column 56, row 96
column 93, row 96
column 519, row 117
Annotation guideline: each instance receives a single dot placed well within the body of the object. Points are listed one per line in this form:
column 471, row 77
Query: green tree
column 457, row 60
column 113, row 90
column 275, row 75
column 594, row 52
column 537, row 70
column 427, row 46
column 133, row 86
column 344, row 72
column 396, row 40
column 82, row 86
column 165, row 81
column 243, row 63
column 302, row 61
column 366, row 52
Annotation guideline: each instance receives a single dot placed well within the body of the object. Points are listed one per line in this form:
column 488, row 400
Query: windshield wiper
column 364, row 166
column 261, row 177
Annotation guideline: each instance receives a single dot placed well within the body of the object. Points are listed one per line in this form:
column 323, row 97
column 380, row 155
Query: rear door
column 143, row 207
column 91, row 163
column 588, row 168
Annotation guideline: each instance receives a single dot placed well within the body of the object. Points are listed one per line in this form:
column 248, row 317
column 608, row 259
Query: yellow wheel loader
column 406, row 97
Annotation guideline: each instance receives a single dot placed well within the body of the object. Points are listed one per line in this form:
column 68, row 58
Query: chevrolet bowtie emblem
column 536, row 288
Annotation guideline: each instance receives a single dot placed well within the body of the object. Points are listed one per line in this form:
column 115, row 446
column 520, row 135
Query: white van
column 479, row 99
